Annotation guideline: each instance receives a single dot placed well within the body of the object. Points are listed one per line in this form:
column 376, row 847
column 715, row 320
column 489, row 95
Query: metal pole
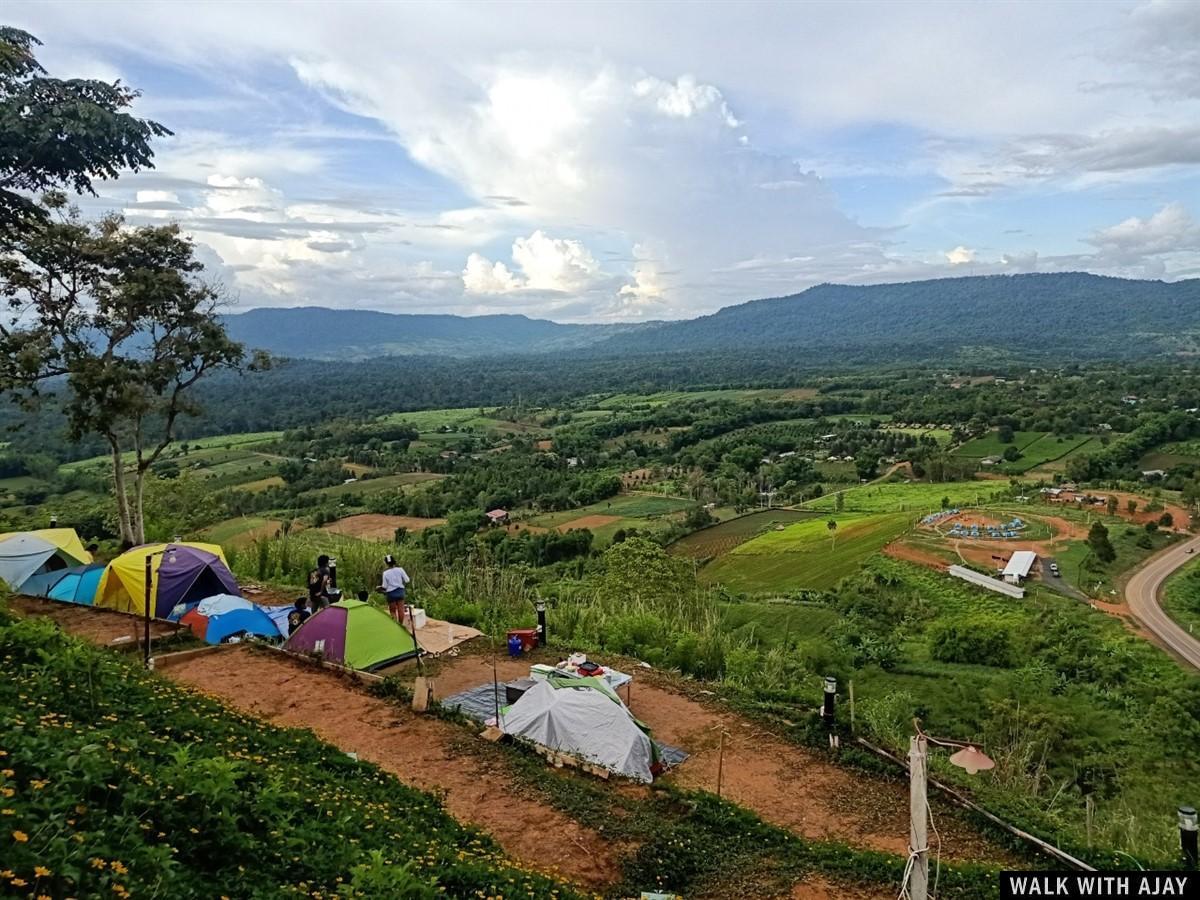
column 918, row 813
column 541, row 626
column 850, row 686
column 495, row 683
column 146, row 616
column 1189, row 830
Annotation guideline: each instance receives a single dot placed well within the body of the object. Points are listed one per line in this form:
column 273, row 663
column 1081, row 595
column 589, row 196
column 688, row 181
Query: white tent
column 581, row 716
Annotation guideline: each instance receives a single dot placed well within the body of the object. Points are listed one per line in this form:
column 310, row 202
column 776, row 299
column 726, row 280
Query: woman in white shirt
column 395, row 580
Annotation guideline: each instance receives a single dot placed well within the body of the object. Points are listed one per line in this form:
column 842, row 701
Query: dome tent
column 215, row 619
column 25, row 554
column 583, row 717
column 179, row 573
column 354, row 634
column 77, row 584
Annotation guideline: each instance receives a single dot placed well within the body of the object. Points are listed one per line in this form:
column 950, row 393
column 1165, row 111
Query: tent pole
column 495, row 682
column 146, row 618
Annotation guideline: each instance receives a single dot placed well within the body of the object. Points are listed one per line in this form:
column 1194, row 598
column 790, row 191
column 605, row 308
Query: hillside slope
column 1086, row 315
column 340, row 334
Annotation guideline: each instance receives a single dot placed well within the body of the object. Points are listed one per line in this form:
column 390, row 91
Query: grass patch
column 911, row 497
column 991, row 445
column 806, row 555
column 376, row 485
column 725, row 536
column 1181, row 596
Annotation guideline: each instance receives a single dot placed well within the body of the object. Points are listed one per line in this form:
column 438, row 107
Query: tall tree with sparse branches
column 116, row 323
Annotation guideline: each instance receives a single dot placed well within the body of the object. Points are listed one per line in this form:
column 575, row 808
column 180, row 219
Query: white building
column 1019, row 566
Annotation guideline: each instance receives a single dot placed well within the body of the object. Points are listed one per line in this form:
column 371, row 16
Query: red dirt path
column 417, row 750
column 787, row 785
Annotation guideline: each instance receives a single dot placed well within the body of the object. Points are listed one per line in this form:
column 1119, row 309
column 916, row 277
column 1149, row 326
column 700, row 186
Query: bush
column 977, row 640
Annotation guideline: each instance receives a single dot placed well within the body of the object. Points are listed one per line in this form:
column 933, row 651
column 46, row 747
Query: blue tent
column 77, row 584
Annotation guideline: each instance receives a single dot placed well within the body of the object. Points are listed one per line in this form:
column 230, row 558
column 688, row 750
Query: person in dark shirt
column 299, row 615
column 320, row 584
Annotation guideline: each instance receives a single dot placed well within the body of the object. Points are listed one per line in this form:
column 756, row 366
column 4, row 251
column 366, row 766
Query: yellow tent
column 179, row 573
column 65, row 539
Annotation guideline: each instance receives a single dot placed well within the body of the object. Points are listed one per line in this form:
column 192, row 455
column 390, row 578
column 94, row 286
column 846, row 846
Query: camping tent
column 179, row 573
column 583, row 717
column 77, row 584
column 214, row 619
column 354, row 634
column 24, row 554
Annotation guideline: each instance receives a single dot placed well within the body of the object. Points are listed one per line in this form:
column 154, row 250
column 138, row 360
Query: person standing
column 394, row 587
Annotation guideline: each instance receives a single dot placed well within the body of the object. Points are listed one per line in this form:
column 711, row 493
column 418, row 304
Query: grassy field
column 660, row 398
column 643, row 512
column 941, row 435
column 1059, row 464
column 805, row 555
column 776, row 624
column 1081, row 568
column 217, row 442
column 375, row 485
column 1181, row 596
column 473, row 419
column 239, row 530
column 991, row 445
column 725, row 536
column 914, row 497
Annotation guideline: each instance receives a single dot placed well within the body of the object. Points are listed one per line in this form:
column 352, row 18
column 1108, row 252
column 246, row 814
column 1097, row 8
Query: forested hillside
column 319, row 333
column 1070, row 314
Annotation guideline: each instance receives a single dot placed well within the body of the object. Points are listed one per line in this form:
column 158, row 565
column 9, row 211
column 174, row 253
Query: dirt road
column 1142, row 593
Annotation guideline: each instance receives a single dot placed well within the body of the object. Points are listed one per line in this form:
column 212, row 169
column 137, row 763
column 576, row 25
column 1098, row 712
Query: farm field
column 1056, row 466
column 375, row 485
column 660, row 398
column 991, row 445
column 375, row 527
column 910, row 497
column 218, row 442
column 941, row 435
column 465, row 419
column 604, row 519
column 241, row 530
column 719, row 539
column 805, row 555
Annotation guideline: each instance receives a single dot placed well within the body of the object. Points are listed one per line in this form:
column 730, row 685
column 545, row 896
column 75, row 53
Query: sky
column 607, row 162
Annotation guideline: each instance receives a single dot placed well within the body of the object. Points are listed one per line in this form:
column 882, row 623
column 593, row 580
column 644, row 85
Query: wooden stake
column 918, row 813
column 146, row 617
column 720, row 762
column 851, row 687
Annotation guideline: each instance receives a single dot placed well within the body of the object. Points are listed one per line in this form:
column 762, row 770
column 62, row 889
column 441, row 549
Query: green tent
column 354, row 634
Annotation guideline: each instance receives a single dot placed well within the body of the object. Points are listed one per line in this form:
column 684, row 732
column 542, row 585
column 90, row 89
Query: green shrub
column 979, row 640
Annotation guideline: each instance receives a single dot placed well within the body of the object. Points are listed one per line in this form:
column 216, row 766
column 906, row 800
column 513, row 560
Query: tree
column 120, row 317
column 60, row 134
column 1099, row 543
column 1131, row 506
column 839, row 501
column 1011, row 453
column 1111, row 504
column 1166, row 520
column 832, row 526
column 1004, row 434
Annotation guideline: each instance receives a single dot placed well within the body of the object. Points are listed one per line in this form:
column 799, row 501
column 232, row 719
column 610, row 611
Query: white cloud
column 1170, row 230
column 684, row 98
column 545, row 264
column 960, row 255
column 481, row 276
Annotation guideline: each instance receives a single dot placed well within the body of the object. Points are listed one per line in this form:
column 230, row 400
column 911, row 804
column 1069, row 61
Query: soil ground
column 418, row 750
column 100, row 626
column 373, row 526
column 785, row 784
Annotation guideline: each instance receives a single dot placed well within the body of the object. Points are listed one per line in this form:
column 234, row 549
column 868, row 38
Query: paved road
column 1142, row 593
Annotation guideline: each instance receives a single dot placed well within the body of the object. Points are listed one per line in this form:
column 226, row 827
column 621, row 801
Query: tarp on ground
column 24, row 554
column 354, row 634
column 581, row 716
column 180, row 573
column 77, row 584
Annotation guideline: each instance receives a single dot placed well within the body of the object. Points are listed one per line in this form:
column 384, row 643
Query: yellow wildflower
column 20, row 837
column 42, row 872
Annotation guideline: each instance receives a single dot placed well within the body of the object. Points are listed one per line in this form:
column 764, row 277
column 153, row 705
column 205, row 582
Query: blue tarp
column 77, row 584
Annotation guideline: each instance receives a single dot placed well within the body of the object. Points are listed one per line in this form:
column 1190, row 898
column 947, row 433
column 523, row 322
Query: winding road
column 1142, row 593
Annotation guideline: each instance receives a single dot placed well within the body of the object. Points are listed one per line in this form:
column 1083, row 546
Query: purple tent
column 180, row 573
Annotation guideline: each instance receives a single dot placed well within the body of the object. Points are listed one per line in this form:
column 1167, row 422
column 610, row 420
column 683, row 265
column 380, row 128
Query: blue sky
column 600, row 162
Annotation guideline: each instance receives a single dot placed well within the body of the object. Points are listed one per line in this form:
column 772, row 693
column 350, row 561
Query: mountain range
column 1079, row 314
